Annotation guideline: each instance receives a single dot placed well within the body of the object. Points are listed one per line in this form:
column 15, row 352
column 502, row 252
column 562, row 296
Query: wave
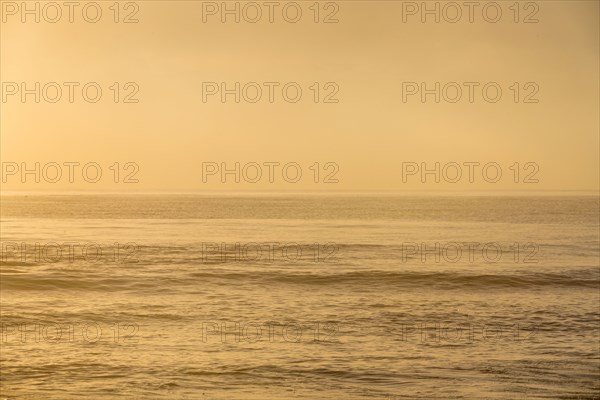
column 363, row 279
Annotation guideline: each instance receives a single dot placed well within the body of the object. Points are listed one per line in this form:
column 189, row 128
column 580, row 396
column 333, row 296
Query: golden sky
column 368, row 133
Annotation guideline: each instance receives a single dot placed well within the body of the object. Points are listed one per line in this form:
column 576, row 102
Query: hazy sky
column 368, row 133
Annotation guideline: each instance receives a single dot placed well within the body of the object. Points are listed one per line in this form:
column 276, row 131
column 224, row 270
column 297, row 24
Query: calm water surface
column 309, row 297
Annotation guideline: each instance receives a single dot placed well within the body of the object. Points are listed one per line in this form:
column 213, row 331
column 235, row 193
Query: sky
column 366, row 127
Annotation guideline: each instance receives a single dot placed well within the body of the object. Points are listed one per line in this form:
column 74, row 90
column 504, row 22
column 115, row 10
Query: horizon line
column 41, row 192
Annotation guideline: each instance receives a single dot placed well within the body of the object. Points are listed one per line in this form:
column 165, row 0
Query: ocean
column 308, row 296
